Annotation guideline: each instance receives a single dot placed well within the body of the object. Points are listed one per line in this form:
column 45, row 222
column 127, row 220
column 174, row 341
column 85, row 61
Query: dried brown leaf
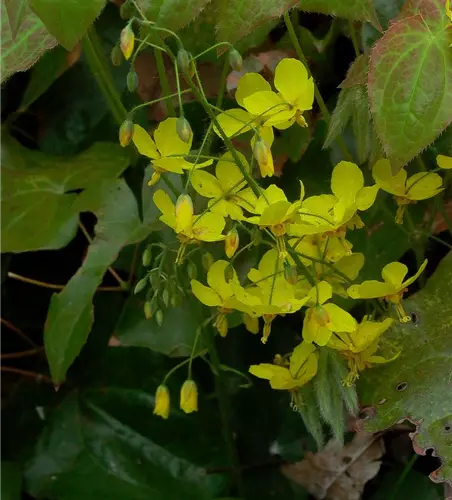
column 339, row 472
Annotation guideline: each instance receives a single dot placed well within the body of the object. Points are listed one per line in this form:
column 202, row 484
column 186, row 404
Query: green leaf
column 361, row 123
column 70, row 314
column 11, row 481
column 20, row 52
column 415, row 385
column 356, row 10
column 340, row 116
column 236, row 18
column 17, row 12
column 104, row 441
column 357, row 73
column 67, row 20
column 39, row 192
column 52, row 65
column 410, row 83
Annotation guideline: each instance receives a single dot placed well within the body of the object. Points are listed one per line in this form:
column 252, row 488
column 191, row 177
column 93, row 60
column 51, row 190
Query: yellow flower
column 227, row 190
column 420, row 186
column 302, row 368
column 333, row 213
column 444, row 162
column 321, row 320
column 276, row 213
column 162, row 401
column 188, row 227
column 166, row 150
column 295, row 95
column 391, row 289
column 231, row 243
column 264, row 157
column 349, row 266
column 220, row 293
column 251, row 323
column 189, row 396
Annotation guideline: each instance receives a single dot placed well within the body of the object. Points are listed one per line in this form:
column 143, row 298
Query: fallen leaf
column 339, row 472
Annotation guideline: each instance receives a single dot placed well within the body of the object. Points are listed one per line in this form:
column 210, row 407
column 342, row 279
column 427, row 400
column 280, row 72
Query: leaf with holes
column 20, row 50
column 410, row 82
column 67, row 20
column 416, row 386
column 356, row 10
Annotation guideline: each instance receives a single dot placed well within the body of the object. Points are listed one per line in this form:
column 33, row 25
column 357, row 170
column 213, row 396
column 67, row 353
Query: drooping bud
column 140, row 286
column 126, row 132
column 183, row 129
column 116, row 56
column 207, row 260
column 132, row 81
column 189, row 396
column 165, row 297
column 192, row 270
column 148, row 310
column 291, row 274
column 183, row 61
column 235, row 60
column 162, row 401
column 146, row 258
column 184, row 212
column 154, row 279
column 159, row 317
column 127, row 41
column 231, row 243
column 251, row 323
column 264, row 158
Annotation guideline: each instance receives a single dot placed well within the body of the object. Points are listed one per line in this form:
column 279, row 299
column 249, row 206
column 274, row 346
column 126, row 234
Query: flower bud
column 189, row 396
column 148, row 310
column 146, row 258
column 264, row 158
column 231, row 242
column 192, row 270
column 291, row 274
column 126, row 132
column 207, row 260
column 140, row 286
column 222, row 324
column 127, row 41
column 235, row 60
column 183, row 61
column 162, row 401
column 184, row 212
column 159, row 317
column 132, row 81
column 126, row 10
column 154, row 279
column 183, row 129
column 251, row 323
column 165, row 297
column 116, row 56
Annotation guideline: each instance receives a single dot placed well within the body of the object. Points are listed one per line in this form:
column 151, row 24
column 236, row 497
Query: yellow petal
column 274, row 214
column 249, row 84
column 268, row 371
column 206, row 184
column 346, row 179
column 350, row 265
column 271, row 195
column 217, row 280
column 167, row 140
column 423, row 185
column 366, row 197
column 371, row 289
column 416, row 276
column 265, row 134
column 394, row 273
column 368, row 332
column 444, row 161
column 164, row 203
column 292, row 80
column 228, row 173
column 184, row 213
column 299, row 357
column 234, row 122
column 320, row 293
column 340, row 320
column 208, row 227
column 268, row 104
column 382, row 174
column 175, row 165
column 144, row 143
column 205, row 294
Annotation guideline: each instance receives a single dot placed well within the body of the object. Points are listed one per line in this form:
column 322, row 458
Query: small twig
column 39, row 377
column 22, row 354
column 18, row 331
column 133, row 264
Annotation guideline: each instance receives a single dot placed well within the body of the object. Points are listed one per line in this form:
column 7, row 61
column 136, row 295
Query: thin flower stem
column 317, row 94
column 39, row 377
column 171, row 186
column 155, row 101
column 164, row 82
column 211, row 48
column 182, row 363
column 300, row 265
column 22, row 354
column 417, row 247
column 439, row 240
column 18, row 331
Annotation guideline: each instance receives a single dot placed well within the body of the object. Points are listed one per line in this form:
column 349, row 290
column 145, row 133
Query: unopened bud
column 162, row 402
column 146, row 258
column 291, row 274
column 116, row 56
column 235, row 60
column 126, row 132
column 189, row 396
column 132, row 81
column 154, row 280
column 127, row 41
column 165, row 297
column 183, row 61
column 192, row 270
column 184, row 212
column 231, row 242
column 207, row 260
column 141, row 285
column 159, row 317
column 148, row 310
column 264, row 158
column 183, row 129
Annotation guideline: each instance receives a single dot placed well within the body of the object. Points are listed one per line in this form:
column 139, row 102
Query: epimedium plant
column 239, row 247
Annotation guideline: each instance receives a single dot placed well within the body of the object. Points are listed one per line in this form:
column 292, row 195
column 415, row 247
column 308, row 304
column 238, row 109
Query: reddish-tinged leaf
column 357, row 73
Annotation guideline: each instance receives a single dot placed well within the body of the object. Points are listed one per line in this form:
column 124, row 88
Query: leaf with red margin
column 410, row 84
column 418, row 385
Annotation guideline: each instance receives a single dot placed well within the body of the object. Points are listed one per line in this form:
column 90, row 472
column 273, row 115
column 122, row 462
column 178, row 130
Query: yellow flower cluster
column 309, row 259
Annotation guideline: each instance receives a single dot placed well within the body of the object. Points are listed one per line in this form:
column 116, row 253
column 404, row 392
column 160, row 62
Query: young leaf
column 20, row 52
column 356, row 10
column 410, row 83
column 310, row 413
column 361, row 123
column 340, row 116
column 17, row 12
column 67, row 20
column 357, row 73
column 417, row 385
